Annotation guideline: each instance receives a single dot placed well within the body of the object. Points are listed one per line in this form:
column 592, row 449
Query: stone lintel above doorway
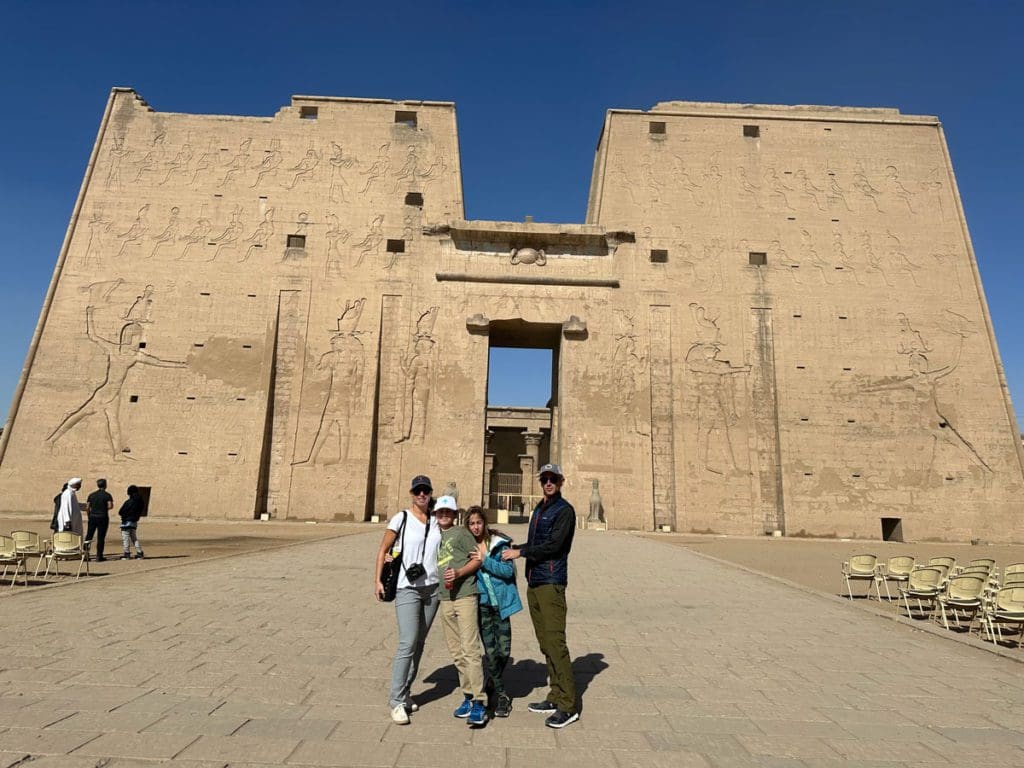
column 554, row 240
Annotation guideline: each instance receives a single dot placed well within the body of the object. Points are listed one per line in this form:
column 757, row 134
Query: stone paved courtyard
column 283, row 658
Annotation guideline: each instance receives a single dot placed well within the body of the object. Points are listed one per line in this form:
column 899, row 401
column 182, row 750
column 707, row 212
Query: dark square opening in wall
column 752, row 131
column 407, row 119
column 757, row 258
column 414, row 199
column 396, row 246
column 892, row 529
column 142, row 345
column 296, row 241
column 133, row 398
column 309, row 113
column 659, row 256
column 656, row 128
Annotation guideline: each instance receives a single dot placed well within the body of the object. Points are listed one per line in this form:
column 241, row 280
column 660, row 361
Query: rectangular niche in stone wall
column 405, row 118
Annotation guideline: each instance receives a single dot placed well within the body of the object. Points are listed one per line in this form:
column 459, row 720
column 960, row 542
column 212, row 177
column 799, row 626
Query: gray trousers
column 130, row 536
column 415, row 608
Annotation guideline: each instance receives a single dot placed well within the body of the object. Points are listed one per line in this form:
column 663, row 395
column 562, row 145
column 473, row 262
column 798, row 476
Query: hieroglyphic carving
column 873, row 259
column 780, row 260
column 778, row 190
column 663, row 453
column 374, row 237
column 98, row 226
column 682, row 181
column 304, row 168
column 141, row 309
column 206, row 161
column 901, row 263
column 712, row 178
column 862, row 184
column 239, row 163
column 809, row 255
column 418, row 370
column 748, row 188
column 629, row 368
column 339, row 163
column 923, row 382
column 716, row 402
column 122, row 356
column 272, row 160
column 344, row 364
column 153, row 159
column 836, row 193
column 809, row 191
column 894, row 187
column 379, row 169
column 198, row 234
column 116, row 157
column 180, row 165
column 842, row 258
column 228, row 239
column 336, row 234
column 261, row 236
column 933, row 185
column 170, row 232
column 135, row 233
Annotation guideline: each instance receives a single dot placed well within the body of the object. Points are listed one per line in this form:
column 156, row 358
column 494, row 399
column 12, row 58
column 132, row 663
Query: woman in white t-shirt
column 415, row 533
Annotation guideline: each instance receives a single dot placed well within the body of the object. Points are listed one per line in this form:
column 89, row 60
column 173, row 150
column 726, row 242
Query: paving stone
column 232, row 748
column 145, row 746
column 35, row 741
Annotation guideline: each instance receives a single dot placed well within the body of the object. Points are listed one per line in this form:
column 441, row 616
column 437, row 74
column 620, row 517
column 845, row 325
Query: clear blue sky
column 531, row 82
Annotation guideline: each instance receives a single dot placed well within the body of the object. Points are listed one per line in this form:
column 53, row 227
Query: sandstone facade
column 772, row 320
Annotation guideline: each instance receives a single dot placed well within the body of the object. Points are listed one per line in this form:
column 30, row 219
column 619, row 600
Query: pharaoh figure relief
column 931, row 401
column 343, row 365
column 717, row 413
column 629, row 371
column 122, row 353
column 418, row 372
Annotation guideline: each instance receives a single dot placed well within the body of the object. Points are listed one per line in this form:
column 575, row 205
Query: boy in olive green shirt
column 459, row 607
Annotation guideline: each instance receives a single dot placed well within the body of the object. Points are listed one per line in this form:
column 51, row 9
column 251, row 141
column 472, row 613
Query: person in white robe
column 69, row 518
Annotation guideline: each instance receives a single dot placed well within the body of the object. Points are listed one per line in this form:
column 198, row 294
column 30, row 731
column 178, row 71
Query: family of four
column 469, row 573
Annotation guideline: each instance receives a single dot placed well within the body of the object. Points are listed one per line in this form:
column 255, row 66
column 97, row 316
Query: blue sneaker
column 478, row 715
column 464, row 708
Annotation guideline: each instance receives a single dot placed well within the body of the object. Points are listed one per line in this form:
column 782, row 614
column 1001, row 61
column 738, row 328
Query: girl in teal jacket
column 499, row 599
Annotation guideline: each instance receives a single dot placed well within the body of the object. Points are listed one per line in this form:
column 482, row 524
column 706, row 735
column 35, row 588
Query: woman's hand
column 378, row 592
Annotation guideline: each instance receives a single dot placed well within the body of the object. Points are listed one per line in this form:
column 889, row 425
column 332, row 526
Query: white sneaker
column 399, row 716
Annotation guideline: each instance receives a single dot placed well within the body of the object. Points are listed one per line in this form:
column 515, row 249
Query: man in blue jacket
column 552, row 526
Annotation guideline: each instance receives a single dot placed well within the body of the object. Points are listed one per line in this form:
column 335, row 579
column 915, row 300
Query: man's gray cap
column 551, row 469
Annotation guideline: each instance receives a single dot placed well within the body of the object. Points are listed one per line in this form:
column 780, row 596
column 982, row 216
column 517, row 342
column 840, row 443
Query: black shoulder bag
column 389, row 573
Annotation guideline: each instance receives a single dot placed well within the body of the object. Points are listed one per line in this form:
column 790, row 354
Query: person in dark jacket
column 130, row 513
column 100, row 503
column 552, row 526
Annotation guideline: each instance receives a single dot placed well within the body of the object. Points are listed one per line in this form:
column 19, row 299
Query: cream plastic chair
column 948, row 562
column 924, row 584
column 963, row 593
column 1012, row 580
column 30, row 545
column 1013, row 568
column 862, row 568
column 1007, row 607
column 66, row 546
column 895, row 569
column 9, row 555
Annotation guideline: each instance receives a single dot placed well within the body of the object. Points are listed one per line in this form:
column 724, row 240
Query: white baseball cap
column 446, row 502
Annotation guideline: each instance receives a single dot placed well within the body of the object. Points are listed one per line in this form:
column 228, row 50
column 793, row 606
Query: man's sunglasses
column 421, row 491
column 549, row 479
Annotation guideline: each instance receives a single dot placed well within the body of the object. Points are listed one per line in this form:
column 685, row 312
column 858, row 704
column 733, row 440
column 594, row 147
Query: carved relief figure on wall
column 304, row 168
column 809, row 255
column 379, row 169
column 778, row 190
column 272, row 160
column 258, row 239
column 836, row 193
column 106, row 399
column 374, row 237
column 894, row 187
column 229, row 237
column 117, row 156
column 809, row 191
column 629, row 369
column 923, row 382
column 339, row 162
column 862, row 184
column 418, row 372
column 180, row 164
column 135, row 232
column 169, row 234
column 842, row 258
column 344, row 365
column 748, row 188
column 336, row 234
column 716, row 406
column 98, row 226
column 198, row 234
column 237, row 164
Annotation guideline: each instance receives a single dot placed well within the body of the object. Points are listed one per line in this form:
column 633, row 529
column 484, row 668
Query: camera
column 414, row 571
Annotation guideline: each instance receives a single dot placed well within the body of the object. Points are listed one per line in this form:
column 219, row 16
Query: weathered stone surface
column 772, row 320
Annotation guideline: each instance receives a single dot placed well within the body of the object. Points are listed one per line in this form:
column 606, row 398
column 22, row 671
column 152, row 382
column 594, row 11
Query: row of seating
column 976, row 590
column 16, row 549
